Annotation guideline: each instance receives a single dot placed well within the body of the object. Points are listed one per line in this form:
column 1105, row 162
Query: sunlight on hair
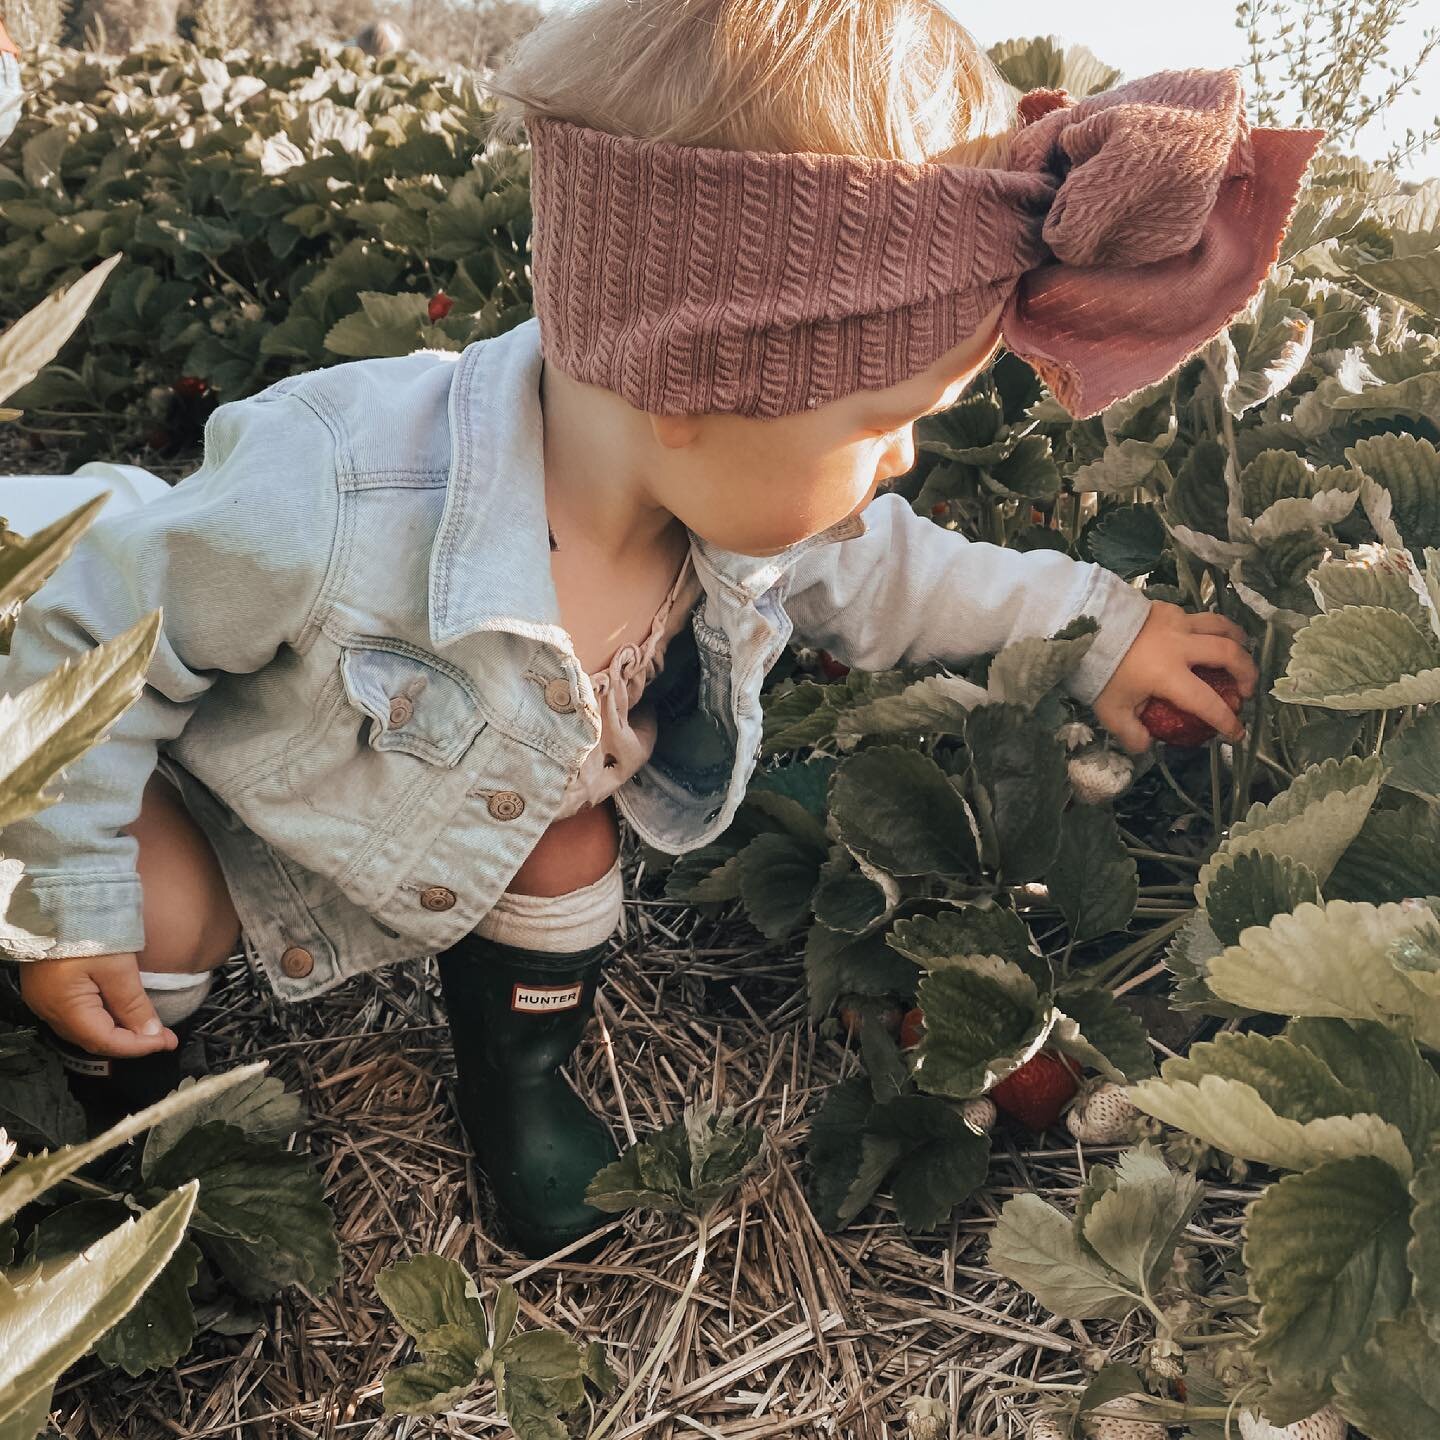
column 891, row 79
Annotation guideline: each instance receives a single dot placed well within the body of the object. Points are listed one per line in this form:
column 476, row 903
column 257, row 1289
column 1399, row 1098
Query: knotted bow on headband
column 1126, row 230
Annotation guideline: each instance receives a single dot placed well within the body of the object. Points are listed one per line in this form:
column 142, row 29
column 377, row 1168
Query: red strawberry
column 439, row 308
column 831, row 668
column 1175, row 726
column 192, row 387
column 940, row 507
column 912, row 1027
column 1036, row 1092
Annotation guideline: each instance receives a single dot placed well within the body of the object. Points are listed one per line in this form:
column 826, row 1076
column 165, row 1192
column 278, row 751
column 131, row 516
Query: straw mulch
column 792, row 1332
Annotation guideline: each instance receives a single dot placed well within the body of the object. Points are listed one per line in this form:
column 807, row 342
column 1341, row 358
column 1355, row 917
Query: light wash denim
column 12, row 94
column 375, row 533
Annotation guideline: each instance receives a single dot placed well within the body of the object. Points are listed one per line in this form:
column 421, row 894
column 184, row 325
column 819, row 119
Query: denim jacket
column 364, row 687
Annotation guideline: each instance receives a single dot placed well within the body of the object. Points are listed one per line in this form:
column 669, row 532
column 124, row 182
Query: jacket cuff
column 88, row 912
column 1121, row 610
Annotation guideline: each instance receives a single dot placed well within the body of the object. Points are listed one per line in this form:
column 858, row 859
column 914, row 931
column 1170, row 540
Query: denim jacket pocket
column 419, row 705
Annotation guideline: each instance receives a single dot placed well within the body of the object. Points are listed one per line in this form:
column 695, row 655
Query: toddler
column 12, row 93
column 433, row 623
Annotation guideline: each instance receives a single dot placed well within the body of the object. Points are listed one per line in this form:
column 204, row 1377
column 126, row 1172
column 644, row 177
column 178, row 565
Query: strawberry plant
column 542, row 1380
column 273, row 216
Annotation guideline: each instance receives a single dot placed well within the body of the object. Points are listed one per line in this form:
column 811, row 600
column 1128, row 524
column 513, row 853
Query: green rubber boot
column 515, row 1017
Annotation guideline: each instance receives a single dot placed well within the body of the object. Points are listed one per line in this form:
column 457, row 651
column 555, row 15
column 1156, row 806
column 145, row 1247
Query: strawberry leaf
column 835, row 1152
column 983, row 1020
column 1337, row 958
column 1326, row 1256
column 1034, row 1245
column 1092, row 879
column 1018, row 768
column 1136, row 1224
column 1390, row 1388
column 261, row 1213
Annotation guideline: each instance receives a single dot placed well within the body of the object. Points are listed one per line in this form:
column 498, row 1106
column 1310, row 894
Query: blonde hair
column 887, row 79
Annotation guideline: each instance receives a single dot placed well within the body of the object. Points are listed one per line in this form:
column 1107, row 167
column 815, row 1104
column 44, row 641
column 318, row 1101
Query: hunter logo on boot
column 545, row 997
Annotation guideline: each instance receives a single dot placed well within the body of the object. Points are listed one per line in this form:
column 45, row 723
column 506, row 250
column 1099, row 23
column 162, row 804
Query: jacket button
column 401, row 709
column 297, row 962
column 437, row 897
column 506, row 804
column 558, row 696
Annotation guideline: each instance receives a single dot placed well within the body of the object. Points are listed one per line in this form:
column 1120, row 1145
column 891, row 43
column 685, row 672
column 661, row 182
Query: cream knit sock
column 176, row 996
column 562, row 924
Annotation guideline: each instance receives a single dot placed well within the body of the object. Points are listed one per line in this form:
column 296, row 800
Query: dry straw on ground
column 792, row 1333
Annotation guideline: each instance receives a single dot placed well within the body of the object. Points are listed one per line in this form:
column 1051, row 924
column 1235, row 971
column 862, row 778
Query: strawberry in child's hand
column 1036, row 1092
column 1168, row 722
column 439, row 307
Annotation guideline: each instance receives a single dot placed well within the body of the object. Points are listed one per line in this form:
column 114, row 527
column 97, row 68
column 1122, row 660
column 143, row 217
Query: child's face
column 757, row 486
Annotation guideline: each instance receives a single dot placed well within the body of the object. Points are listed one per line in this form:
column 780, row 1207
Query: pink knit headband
column 1129, row 229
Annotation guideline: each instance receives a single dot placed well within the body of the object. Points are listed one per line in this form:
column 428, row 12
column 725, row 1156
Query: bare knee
column 573, row 852
column 190, row 921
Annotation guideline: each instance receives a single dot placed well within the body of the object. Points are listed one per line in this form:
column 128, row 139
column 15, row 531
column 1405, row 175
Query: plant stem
column 1141, row 853
column 1175, row 786
column 1245, row 767
column 1215, row 806
column 1102, row 974
column 667, row 1335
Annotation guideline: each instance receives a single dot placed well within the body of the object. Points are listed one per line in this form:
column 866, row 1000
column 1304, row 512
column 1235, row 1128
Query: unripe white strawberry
column 1164, row 1359
column 1075, row 734
column 979, row 1114
column 1324, row 1424
column 1048, row 1427
column 1117, row 1425
column 926, row 1418
column 1105, row 1116
column 1099, row 775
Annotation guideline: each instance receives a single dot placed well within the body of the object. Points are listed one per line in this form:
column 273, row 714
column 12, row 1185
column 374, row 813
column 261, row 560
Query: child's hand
column 1158, row 663
column 96, row 1002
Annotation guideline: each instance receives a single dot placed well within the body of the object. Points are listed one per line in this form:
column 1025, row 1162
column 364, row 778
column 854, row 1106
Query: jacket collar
column 490, row 565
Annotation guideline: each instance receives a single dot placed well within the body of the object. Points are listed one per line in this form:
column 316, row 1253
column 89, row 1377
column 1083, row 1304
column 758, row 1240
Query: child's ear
column 675, row 432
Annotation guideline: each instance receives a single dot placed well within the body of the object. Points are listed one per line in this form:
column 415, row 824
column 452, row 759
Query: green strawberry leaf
column 1267, row 1099
column 160, row 1329
column 979, row 929
column 1018, row 769
column 940, row 1162
column 36, row 1107
column 1136, row 1224
column 1384, row 1071
column 1092, row 879
column 899, row 811
column 261, row 1216
column 1390, row 1387
column 835, row 1156
column 260, row 1106
column 429, row 1291
column 983, row 1019
column 1098, row 1030
column 688, row 1166
column 1326, row 1256
column 1254, row 888
column 1034, row 1245
column 1336, row 959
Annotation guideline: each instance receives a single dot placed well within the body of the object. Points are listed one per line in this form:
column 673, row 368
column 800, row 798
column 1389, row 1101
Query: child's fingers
column 1207, row 622
column 138, row 1027
column 1191, row 693
column 1224, row 654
